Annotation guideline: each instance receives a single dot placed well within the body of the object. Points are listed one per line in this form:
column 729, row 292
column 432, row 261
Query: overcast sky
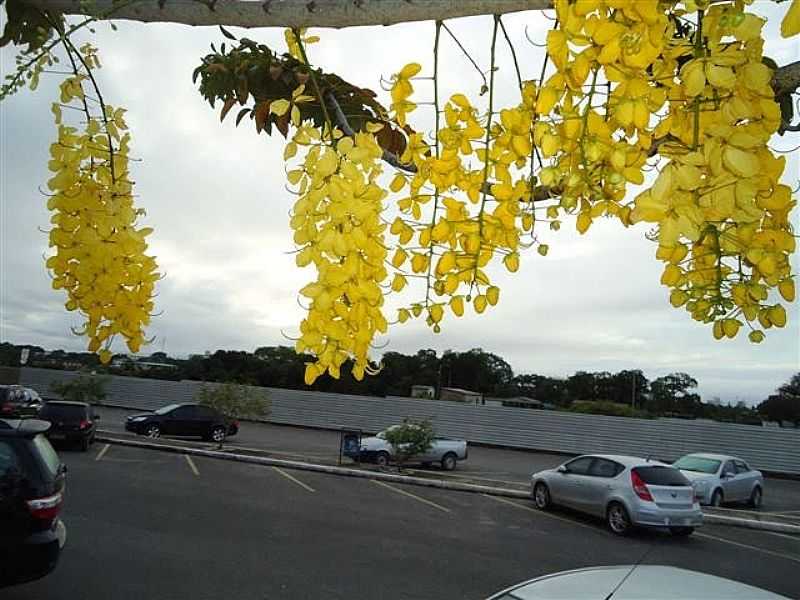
column 215, row 195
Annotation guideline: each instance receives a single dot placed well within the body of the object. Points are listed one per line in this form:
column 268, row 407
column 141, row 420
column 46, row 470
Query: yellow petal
column 791, row 21
column 279, row 107
column 787, row 290
column 457, row 305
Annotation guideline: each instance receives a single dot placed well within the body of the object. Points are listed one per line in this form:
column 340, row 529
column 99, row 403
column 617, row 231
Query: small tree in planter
column 85, row 388
column 235, row 402
column 410, row 439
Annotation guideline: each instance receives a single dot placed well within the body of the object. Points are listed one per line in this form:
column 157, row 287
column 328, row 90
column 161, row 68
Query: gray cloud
column 215, row 195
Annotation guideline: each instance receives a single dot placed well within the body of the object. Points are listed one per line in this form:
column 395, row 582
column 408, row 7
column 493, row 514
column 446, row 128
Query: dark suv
column 71, row 422
column 32, row 482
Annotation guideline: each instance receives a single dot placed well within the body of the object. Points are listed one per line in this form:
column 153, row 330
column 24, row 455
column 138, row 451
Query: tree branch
column 292, row 13
column 347, row 129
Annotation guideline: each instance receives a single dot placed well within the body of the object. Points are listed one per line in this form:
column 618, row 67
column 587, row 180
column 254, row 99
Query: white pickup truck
column 444, row 451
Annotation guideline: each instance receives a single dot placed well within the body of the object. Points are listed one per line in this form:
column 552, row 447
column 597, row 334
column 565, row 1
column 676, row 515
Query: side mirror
column 562, row 469
column 728, row 474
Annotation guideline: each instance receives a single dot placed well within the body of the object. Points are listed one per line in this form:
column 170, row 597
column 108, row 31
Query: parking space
column 149, row 524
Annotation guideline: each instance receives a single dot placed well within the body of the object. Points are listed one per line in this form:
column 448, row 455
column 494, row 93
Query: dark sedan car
column 183, row 420
column 71, row 422
column 32, row 482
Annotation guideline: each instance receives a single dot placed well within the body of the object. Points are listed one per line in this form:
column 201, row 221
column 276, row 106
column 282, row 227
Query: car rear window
column 49, row 456
column 63, row 411
column 662, row 476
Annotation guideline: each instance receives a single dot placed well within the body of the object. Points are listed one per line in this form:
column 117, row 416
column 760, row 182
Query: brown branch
column 292, row 13
column 347, row 129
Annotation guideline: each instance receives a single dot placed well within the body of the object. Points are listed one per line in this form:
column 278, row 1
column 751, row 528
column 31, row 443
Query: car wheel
column 681, row 531
column 218, row 434
column 449, row 462
column 382, row 459
column 618, row 520
column 756, row 496
column 716, row 498
column 541, row 496
column 152, row 431
column 85, row 444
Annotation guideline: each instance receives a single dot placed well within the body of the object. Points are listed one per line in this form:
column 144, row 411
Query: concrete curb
column 409, row 480
column 329, row 469
column 753, row 524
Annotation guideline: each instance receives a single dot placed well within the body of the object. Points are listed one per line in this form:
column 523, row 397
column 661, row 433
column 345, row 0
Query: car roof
column 630, row 582
column 713, row 456
column 67, row 403
column 628, row 461
column 22, row 427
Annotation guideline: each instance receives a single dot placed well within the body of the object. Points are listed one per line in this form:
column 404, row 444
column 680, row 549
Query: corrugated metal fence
column 770, row 449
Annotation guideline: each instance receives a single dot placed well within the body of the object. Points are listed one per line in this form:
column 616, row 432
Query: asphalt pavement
column 496, row 467
column 161, row 526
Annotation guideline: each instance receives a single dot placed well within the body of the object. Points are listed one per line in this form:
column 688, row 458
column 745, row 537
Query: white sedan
column 718, row 478
column 444, row 451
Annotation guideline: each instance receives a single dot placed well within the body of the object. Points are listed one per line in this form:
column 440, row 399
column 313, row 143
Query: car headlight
column 138, row 419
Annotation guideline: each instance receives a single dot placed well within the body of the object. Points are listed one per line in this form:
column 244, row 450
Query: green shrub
column 410, row 439
column 603, row 407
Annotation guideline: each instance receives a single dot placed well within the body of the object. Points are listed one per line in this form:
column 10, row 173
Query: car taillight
column 46, row 508
column 7, row 408
column 84, row 424
column 640, row 488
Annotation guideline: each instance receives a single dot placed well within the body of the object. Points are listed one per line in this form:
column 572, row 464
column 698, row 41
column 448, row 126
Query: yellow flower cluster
column 401, row 92
column 100, row 259
column 722, row 215
column 477, row 212
column 597, row 141
column 337, row 228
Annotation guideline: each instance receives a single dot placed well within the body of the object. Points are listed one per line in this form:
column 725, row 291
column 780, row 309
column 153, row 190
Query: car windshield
column 698, row 464
column 165, row 409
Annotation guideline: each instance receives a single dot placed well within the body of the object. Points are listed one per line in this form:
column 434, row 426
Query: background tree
column 784, row 405
column 235, row 402
column 411, row 438
column 671, row 394
column 84, row 388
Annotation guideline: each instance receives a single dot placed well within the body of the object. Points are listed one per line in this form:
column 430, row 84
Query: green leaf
column 227, row 33
column 241, row 115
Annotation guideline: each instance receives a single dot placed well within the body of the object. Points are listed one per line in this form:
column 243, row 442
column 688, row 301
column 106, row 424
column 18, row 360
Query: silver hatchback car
column 625, row 490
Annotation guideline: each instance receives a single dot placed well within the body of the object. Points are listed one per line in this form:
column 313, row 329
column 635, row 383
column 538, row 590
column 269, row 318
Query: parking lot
column 487, row 466
column 148, row 524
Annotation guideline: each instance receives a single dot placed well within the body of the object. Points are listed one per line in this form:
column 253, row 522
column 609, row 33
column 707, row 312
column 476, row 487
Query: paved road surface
column 156, row 526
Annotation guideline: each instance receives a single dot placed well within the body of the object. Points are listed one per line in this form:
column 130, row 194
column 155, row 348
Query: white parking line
column 192, row 465
column 291, row 478
column 544, row 513
column 414, row 496
column 741, row 545
column 102, row 452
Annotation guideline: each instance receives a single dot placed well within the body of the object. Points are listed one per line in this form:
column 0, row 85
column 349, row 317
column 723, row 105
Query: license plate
column 57, row 436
